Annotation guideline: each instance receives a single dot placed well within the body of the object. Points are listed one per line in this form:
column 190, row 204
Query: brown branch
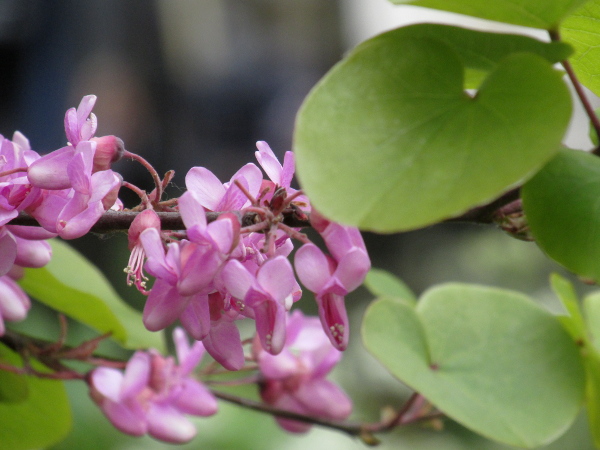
column 121, row 220
column 362, row 430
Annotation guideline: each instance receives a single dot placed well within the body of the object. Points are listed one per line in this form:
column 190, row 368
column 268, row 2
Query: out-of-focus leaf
column 40, row 420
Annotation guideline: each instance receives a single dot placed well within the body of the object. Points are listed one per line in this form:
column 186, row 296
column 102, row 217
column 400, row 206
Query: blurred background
column 196, row 83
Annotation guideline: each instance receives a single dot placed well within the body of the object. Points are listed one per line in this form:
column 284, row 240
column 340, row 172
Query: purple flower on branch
column 294, row 380
column 154, row 394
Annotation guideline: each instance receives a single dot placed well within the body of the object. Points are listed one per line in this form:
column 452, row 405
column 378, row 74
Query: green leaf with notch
column 489, row 358
column 390, row 141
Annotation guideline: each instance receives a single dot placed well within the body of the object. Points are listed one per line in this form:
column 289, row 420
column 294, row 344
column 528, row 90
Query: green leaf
column 390, row 141
column 42, row 419
column 383, row 284
column 563, row 212
column 72, row 285
column 544, row 14
column 592, row 394
column 480, row 52
column 581, row 31
column 489, row 358
column 573, row 322
column 591, row 308
column 13, row 387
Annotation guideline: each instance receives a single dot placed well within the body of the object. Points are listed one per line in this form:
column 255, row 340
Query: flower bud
column 109, row 149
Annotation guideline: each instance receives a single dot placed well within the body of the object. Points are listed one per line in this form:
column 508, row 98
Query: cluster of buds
column 208, row 276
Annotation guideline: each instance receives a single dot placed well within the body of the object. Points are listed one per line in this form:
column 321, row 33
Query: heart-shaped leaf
column 545, row 14
column 563, row 212
column 390, row 141
column 581, row 31
column 74, row 286
column 489, row 358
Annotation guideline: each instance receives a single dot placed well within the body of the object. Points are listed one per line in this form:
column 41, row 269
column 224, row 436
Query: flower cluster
column 209, row 276
column 66, row 191
column 222, row 272
column 295, row 380
column 154, row 394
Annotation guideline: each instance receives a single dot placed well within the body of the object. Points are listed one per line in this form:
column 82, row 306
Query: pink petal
column 163, row 306
column 78, row 217
column 334, row 319
column 323, row 398
column 237, row 279
column 85, row 107
column 276, row 276
column 191, row 210
column 14, row 303
column 206, row 186
column 251, row 177
column 33, row 254
column 107, row 381
column 50, row 171
column 168, row 424
column 352, row 269
column 157, row 264
column 129, row 419
column 199, row 269
column 195, row 399
column 223, row 343
column 270, row 319
column 288, row 170
column 30, row 233
column 278, row 367
column 312, row 267
column 8, row 250
column 188, row 357
column 223, row 233
column 269, row 162
column 137, row 375
column 195, row 318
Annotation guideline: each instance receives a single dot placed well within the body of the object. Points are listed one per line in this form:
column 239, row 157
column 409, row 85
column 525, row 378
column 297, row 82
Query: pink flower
column 109, row 149
column 81, row 123
column 331, row 279
column 185, row 273
column 281, row 176
column 135, row 274
column 215, row 196
column 93, row 193
column 294, row 380
column 154, row 394
column 16, row 193
column 265, row 294
column 223, row 341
